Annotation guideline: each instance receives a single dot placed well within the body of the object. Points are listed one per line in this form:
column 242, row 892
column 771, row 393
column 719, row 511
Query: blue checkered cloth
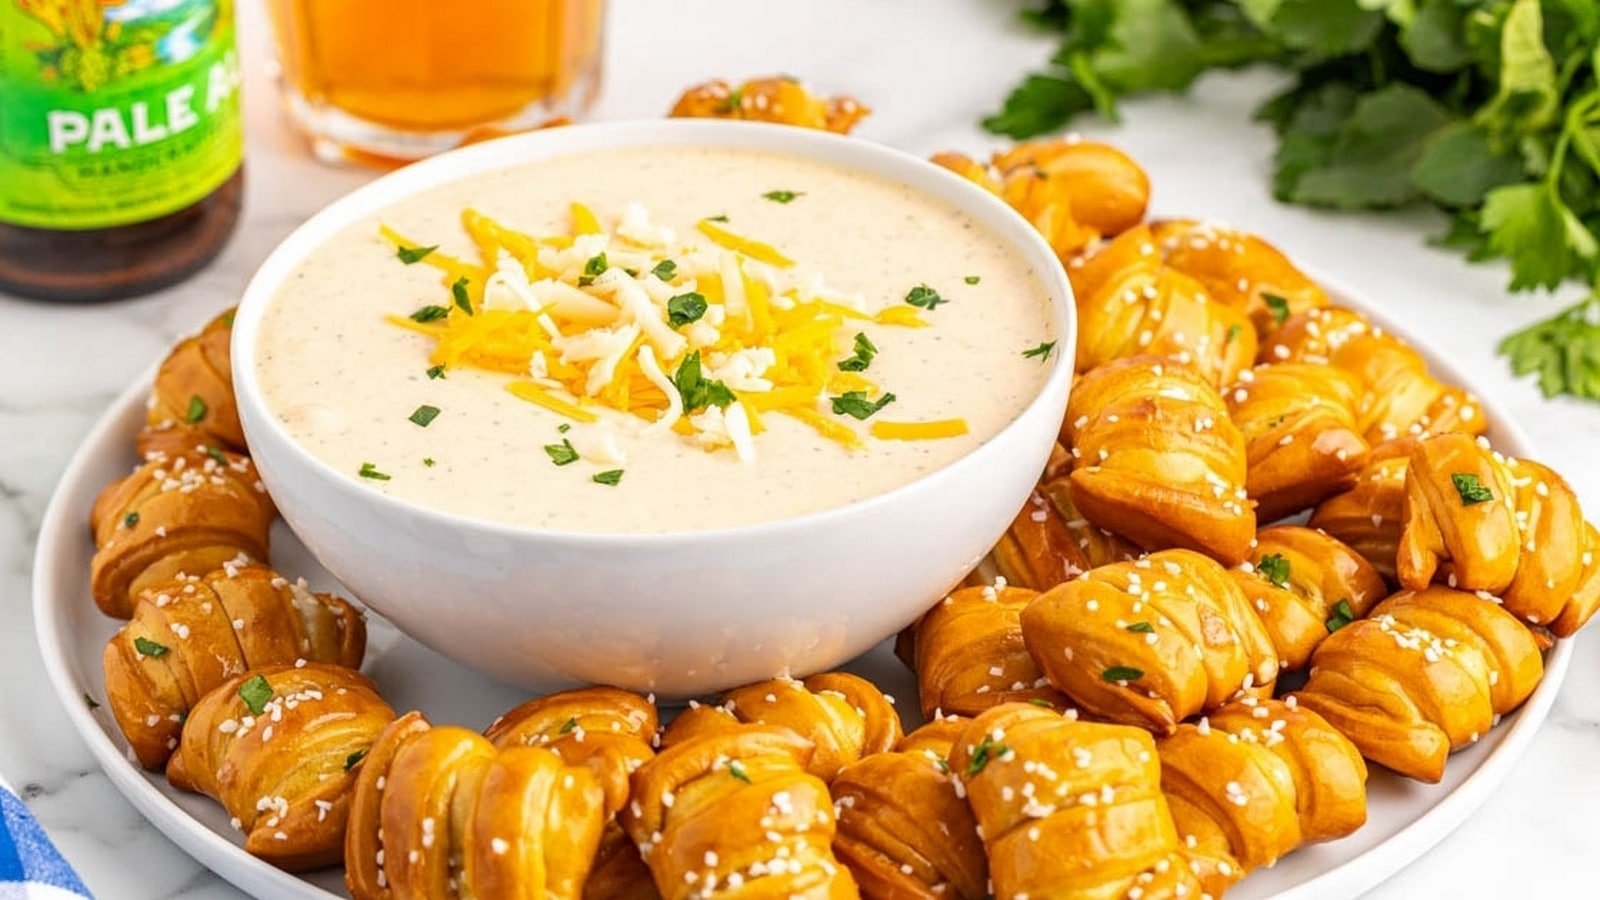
column 31, row 868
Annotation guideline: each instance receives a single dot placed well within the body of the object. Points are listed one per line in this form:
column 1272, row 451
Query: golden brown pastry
column 778, row 99
column 1301, row 439
column 1068, row 808
column 1304, row 585
column 1074, row 192
column 845, row 717
column 275, row 747
column 1130, row 303
column 1239, row 270
column 1428, row 672
column 1152, row 642
column 186, row 514
column 1330, row 778
column 1400, row 399
column 1368, row 517
column 1481, row 521
column 610, row 731
column 1156, row 458
column 441, row 812
column 191, row 403
column 1050, row 541
column 904, row 830
column 735, row 813
column 191, row 634
column 968, row 654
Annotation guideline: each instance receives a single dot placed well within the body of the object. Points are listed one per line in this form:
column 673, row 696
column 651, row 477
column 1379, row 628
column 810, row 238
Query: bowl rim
column 875, row 159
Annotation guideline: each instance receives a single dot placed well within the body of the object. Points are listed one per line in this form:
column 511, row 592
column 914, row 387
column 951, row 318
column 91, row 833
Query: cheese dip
column 654, row 340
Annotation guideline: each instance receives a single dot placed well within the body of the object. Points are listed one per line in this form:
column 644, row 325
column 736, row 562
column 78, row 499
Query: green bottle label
column 114, row 111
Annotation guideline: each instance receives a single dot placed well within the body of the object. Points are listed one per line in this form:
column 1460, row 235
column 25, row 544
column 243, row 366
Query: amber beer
column 404, row 78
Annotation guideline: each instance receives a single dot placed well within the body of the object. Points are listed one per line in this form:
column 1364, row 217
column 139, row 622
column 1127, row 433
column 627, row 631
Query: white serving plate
column 1405, row 818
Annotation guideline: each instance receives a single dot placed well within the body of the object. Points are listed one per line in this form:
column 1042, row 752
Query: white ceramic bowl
column 677, row 614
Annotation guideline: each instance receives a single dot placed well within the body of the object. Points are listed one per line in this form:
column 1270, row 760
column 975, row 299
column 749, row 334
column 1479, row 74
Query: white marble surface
column 930, row 67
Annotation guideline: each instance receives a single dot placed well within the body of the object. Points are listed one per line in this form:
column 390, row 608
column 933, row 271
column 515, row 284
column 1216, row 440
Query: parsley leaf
column 130, row 520
column 1122, row 673
column 436, row 372
column 856, row 405
column 593, row 268
column 458, row 290
column 1041, row 702
column 256, row 693
column 424, row 415
column 924, row 297
column 563, row 453
column 147, row 647
column 368, row 470
column 1274, row 568
column 665, row 270
column 196, row 411
column 1471, row 490
column 697, row 391
column 1278, row 306
column 1564, row 350
column 354, row 759
column 409, row 255
column 1233, row 333
column 1142, row 628
column 429, row 461
column 986, row 750
column 215, row 452
column 737, row 770
column 783, row 196
column 864, row 352
column 429, row 313
column 1041, row 352
column 972, row 279
column 685, row 308
column 568, row 725
column 611, row 476
column 1342, row 615
column 1530, row 225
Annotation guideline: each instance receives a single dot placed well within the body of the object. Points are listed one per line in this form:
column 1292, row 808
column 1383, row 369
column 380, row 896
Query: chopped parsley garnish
column 1274, row 568
column 943, row 765
column 1472, row 490
column 1233, row 332
column 924, row 297
column 986, row 750
column 1040, row 701
column 718, row 218
column 1041, row 352
column 1278, row 305
column 972, row 279
column 354, row 759
column 227, row 317
column 215, row 452
column 90, row 702
column 130, row 520
column 424, row 415
column 568, row 725
column 428, row 461
column 436, row 372
column 783, row 196
column 368, row 470
column 561, row 454
column 255, row 693
column 1122, row 673
column 1342, row 615
column 563, row 428
column 685, row 308
column 611, row 476
column 196, row 410
column 697, row 391
column 429, row 313
column 731, row 102
column 736, row 769
column 593, row 268
column 865, row 351
column 409, row 255
column 665, row 270
column 147, row 647
column 856, row 405
column 1142, row 628
column 458, row 290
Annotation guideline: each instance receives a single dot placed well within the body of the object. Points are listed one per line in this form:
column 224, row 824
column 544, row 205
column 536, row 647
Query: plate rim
column 229, row 861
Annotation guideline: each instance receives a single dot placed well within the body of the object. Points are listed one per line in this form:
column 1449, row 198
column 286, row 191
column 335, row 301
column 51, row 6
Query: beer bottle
column 120, row 144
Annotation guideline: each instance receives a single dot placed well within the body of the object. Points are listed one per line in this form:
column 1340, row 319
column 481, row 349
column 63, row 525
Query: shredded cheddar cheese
column 701, row 338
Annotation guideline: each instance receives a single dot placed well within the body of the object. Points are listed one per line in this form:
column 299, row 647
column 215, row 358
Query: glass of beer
column 389, row 81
